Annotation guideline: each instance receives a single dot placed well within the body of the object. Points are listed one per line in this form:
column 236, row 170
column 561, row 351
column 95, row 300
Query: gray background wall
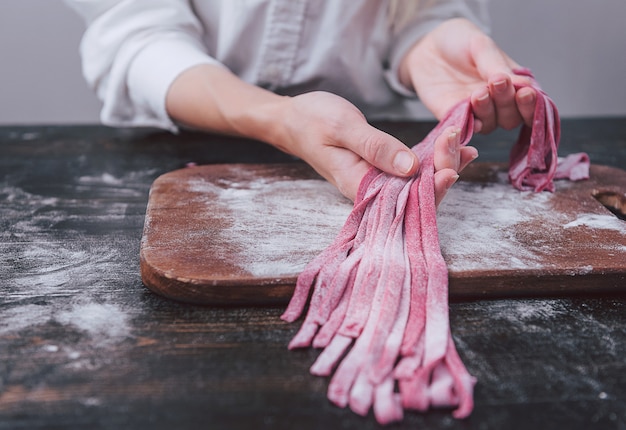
column 576, row 48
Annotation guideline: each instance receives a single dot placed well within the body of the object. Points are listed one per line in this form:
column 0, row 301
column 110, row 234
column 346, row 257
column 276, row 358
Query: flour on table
column 46, row 280
column 105, row 323
column 105, row 178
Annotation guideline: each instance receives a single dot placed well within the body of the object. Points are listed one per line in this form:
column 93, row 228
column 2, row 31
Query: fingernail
column 483, row 96
column 500, row 85
column 451, row 181
column 527, row 98
column 403, row 162
column 478, row 125
column 453, row 141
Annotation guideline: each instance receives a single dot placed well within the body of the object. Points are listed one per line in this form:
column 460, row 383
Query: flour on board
column 271, row 243
column 280, row 225
column 598, row 221
column 482, row 227
column 471, row 225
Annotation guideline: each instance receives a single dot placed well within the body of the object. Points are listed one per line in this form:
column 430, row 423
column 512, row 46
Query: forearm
column 211, row 98
column 324, row 130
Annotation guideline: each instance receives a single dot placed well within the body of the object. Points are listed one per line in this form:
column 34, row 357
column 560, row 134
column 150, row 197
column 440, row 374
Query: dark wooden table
column 83, row 344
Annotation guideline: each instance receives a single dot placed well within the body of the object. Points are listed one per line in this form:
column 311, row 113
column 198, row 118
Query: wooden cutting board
column 241, row 233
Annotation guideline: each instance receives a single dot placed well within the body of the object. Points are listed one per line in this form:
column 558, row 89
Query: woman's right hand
column 333, row 137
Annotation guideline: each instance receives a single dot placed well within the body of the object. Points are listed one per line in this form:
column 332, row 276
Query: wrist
column 211, row 98
column 266, row 121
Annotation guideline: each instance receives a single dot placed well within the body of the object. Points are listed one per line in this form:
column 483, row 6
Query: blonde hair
column 400, row 12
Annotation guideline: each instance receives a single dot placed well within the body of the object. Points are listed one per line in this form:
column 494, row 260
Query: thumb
column 383, row 151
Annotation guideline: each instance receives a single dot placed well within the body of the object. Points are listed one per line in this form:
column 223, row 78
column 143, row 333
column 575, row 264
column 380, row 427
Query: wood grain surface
column 237, row 233
column 85, row 345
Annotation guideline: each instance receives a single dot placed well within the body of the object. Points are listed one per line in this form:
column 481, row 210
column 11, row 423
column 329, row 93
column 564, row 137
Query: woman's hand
column 324, row 130
column 333, row 136
column 456, row 61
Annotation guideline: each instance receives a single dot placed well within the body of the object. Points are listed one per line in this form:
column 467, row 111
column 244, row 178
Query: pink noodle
column 378, row 295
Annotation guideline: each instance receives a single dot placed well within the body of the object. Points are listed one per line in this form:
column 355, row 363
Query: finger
column 348, row 181
column 484, row 111
column 490, row 59
column 502, row 92
column 468, row 154
column 521, row 80
column 444, row 179
column 382, row 151
column 498, row 68
column 478, row 125
column 526, row 98
column 447, row 166
column 446, row 151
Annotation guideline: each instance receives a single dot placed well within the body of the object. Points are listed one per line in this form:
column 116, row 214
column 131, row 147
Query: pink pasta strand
column 378, row 295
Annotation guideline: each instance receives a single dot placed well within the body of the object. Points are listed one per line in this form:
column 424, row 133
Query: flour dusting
column 105, row 178
column 15, row 319
column 273, row 226
column 45, row 275
column 525, row 310
column 279, row 225
column 470, row 243
column 62, row 269
column 105, row 323
column 599, row 221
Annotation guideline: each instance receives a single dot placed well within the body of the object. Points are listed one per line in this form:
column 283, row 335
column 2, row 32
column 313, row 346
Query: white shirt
column 133, row 50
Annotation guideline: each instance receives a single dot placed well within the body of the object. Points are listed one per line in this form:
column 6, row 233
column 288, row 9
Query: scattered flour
column 105, row 323
column 58, row 269
column 43, row 275
column 464, row 232
column 132, row 184
column 15, row 319
column 598, row 221
column 525, row 310
column 280, row 225
column 105, row 178
column 262, row 214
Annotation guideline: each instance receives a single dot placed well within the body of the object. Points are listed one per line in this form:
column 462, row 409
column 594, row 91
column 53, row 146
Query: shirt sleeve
column 427, row 18
column 131, row 53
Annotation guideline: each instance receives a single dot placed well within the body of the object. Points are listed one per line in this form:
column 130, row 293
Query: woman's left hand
column 456, row 61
